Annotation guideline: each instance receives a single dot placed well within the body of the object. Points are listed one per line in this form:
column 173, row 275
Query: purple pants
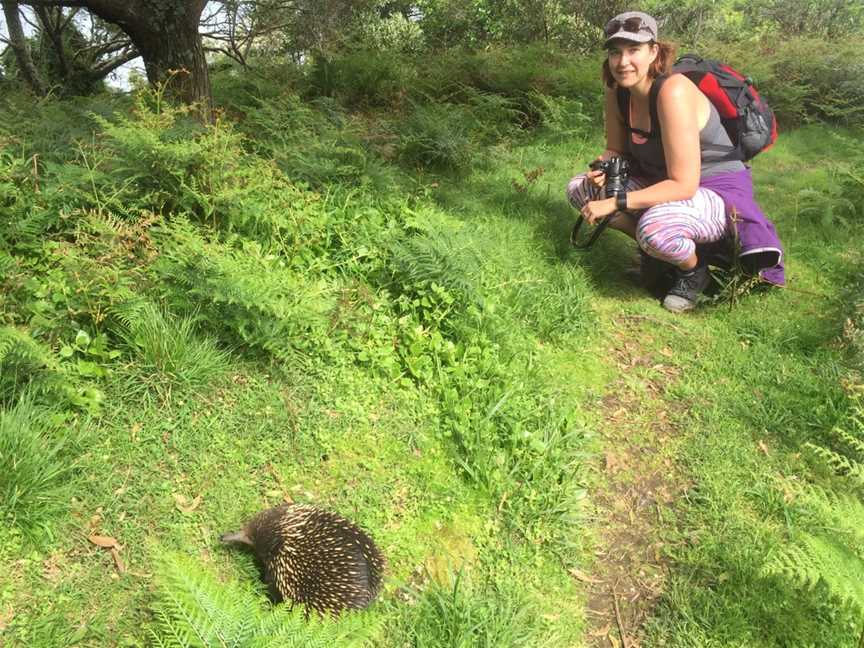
column 668, row 231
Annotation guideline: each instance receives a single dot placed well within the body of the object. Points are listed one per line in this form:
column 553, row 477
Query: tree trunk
column 165, row 32
column 174, row 57
column 18, row 43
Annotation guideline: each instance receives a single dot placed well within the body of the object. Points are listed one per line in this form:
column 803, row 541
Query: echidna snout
column 236, row 537
column 314, row 557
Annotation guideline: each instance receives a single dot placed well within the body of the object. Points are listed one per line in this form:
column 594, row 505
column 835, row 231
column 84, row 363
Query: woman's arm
column 616, row 143
column 679, row 104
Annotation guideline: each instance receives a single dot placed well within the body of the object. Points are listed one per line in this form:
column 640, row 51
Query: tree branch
column 53, row 3
column 106, row 68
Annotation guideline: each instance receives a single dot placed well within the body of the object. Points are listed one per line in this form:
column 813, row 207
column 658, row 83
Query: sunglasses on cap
column 633, row 25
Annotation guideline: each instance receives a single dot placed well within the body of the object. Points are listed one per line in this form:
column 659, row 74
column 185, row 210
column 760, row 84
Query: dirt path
column 640, row 429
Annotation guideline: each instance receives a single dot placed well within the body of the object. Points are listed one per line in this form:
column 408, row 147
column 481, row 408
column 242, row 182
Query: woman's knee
column 578, row 191
column 666, row 242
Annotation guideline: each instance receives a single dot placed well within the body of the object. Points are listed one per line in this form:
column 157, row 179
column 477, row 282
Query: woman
column 685, row 179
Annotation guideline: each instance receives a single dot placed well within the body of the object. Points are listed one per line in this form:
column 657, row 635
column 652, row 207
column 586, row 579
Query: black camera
column 617, row 170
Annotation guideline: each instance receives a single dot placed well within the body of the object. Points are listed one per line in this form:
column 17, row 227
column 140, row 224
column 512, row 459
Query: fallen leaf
column 184, row 505
column 583, row 577
column 764, row 448
column 121, row 568
column 106, row 542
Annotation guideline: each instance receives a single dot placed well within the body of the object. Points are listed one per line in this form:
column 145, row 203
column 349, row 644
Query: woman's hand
column 598, row 209
column 597, row 177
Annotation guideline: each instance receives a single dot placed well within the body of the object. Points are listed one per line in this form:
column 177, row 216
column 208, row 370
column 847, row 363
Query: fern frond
column 827, row 546
column 821, row 559
column 129, row 312
column 437, row 257
column 195, row 610
column 253, row 294
column 7, row 263
column 18, row 348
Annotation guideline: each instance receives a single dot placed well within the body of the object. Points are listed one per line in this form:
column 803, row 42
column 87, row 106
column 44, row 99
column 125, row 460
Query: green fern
column 194, row 610
column 437, row 257
column 826, row 549
column 21, row 360
column 244, row 290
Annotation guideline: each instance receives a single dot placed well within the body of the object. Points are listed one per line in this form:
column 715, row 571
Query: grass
column 34, row 467
column 168, row 353
column 471, row 462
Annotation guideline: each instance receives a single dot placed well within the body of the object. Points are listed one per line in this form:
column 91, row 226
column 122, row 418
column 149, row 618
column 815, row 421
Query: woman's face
column 629, row 62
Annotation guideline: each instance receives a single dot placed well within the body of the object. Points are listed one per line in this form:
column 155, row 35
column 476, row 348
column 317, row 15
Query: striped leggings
column 668, row 231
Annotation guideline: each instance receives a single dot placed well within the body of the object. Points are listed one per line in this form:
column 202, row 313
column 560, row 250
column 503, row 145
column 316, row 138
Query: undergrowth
column 352, row 288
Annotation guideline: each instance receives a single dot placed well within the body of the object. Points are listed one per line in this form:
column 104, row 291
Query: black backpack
column 746, row 117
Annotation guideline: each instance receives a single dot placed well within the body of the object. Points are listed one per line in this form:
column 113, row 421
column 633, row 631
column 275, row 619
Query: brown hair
column 661, row 65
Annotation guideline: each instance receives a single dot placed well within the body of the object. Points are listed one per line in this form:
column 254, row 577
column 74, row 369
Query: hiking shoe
column 686, row 289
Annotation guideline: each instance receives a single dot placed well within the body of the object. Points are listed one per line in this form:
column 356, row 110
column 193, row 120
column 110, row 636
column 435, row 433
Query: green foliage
column 826, row 19
column 361, row 78
column 440, row 136
column 170, row 355
column 34, row 467
column 518, row 74
column 69, row 377
column 853, row 331
column 824, row 554
column 478, row 23
column 240, row 290
column 438, row 258
column 394, row 34
column 318, row 142
column 828, row 207
column 561, row 115
column 806, row 79
column 461, row 613
column 22, row 359
column 195, row 610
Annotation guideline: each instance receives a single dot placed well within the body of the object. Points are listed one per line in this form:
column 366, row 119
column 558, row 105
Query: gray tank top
column 646, row 149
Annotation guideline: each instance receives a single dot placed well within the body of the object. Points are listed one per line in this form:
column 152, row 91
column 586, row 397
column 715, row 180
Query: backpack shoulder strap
column 623, row 97
column 652, row 104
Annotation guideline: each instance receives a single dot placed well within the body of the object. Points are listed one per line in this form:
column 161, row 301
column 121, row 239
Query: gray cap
column 632, row 26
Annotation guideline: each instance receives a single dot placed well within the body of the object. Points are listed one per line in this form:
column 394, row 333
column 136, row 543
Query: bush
column 362, row 78
column 442, row 136
column 804, row 79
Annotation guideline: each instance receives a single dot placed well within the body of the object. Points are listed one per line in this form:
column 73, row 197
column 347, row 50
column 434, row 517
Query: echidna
column 313, row 557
